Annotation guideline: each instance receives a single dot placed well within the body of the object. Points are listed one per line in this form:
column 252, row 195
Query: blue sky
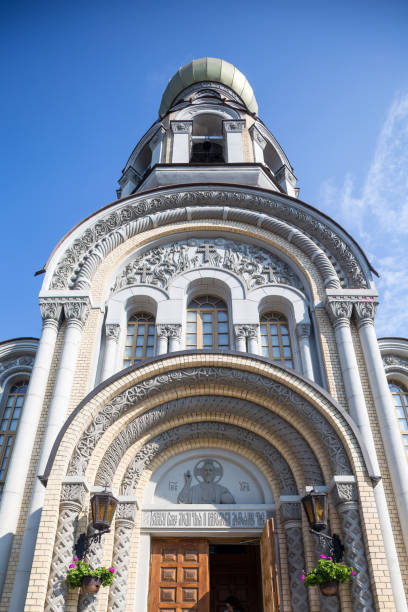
column 82, row 82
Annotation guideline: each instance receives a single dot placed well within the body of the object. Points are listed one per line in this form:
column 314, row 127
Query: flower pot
column 329, row 588
column 91, row 585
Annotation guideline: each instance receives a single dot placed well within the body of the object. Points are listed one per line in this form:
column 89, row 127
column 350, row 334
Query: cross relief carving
column 254, row 266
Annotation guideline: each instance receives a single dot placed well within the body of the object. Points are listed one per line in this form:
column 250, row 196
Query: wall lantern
column 103, row 506
column 315, row 505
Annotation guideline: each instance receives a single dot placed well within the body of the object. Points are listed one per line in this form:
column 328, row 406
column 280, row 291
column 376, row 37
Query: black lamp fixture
column 103, row 506
column 317, row 511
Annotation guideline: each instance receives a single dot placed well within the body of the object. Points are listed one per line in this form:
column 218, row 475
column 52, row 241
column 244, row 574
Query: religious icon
column 208, row 472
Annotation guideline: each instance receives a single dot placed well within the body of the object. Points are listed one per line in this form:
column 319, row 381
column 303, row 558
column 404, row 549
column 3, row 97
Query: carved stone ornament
column 290, row 512
column 126, row 511
column 366, row 309
column 254, row 266
column 226, row 405
column 339, row 308
column 76, row 310
column 344, row 492
column 194, row 431
column 235, row 125
column 303, row 330
column 247, row 330
column 181, row 127
column 169, row 330
column 257, row 136
column 112, row 331
column 73, row 492
column 165, row 382
column 393, row 360
column 308, row 232
column 25, row 361
column 50, row 309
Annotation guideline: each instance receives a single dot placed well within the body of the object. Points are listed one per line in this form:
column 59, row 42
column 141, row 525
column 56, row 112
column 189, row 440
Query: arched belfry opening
column 207, row 145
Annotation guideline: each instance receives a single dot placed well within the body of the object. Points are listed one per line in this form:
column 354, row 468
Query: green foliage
column 79, row 569
column 327, row 570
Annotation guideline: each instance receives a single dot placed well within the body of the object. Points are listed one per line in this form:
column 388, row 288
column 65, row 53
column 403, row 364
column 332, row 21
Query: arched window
column 139, row 338
column 400, row 398
column 275, row 338
column 9, row 424
column 207, row 323
column 207, row 139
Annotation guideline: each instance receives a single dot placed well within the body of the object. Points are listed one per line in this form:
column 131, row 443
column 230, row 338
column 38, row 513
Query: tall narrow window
column 275, row 338
column 207, row 323
column 9, row 424
column 139, row 339
column 400, row 397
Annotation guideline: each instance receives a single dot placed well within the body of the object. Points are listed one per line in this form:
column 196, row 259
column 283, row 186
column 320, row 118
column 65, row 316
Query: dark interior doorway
column 235, row 569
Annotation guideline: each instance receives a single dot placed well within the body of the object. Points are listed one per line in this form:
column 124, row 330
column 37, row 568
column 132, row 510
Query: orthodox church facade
column 208, row 355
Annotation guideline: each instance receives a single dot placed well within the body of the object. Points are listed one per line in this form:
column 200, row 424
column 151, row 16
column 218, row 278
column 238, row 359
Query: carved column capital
column 77, row 310
column 126, row 513
column 234, row 125
column 303, row 330
column 290, row 514
column 112, row 331
column 339, row 309
column 257, row 137
column 169, row 330
column 73, row 495
column 365, row 311
column 344, row 492
column 246, row 330
column 181, row 127
column 50, row 310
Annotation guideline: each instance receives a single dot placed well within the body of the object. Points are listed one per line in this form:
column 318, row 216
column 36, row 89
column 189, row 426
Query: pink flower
column 323, row 557
column 112, row 570
column 76, row 559
column 302, row 577
column 71, row 565
column 330, row 558
column 353, row 572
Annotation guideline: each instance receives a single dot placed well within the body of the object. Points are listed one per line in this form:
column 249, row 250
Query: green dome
column 209, row 69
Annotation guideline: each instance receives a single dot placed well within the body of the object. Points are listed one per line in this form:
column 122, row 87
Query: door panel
column 179, row 578
column 270, row 585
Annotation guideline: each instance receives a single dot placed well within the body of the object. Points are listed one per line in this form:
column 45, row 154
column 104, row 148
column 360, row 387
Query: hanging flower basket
column 90, row 585
column 80, row 575
column 329, row 588
column 327, row 575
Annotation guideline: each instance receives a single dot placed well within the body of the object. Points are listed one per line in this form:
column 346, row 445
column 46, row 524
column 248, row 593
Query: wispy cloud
column 377, row 216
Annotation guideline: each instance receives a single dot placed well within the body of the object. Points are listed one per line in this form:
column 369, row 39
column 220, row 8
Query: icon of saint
column 208, row 491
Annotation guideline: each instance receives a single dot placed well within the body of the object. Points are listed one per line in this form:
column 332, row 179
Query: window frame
column 199, row 331
column 402, row 393
column 10, row 435
column 280, row 320
column 147, row 320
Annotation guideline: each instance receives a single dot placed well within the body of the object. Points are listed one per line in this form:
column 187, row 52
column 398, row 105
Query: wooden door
column 179, row 578
column 270, row 584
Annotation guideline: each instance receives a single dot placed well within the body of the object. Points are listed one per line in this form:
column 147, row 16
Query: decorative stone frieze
column 246, row 330
column 112, row 331
column 192, row 431
column 391, row 361
column 81, row 259
column 169, row 330
column 254, row 266
column 181, row 127
column 191, row 376
column 234, row 125
column 25, row 362
column 345, row 498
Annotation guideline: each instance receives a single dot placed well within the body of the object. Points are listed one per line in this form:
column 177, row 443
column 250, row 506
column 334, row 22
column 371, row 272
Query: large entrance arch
column 277, row 432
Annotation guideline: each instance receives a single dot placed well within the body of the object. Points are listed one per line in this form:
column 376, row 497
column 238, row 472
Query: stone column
column 181, row 141
column 156, row 146
column 291, row 519
column 27, row 430
column 258, row 143
column 339, row 309
column 76, row 313
column 162, row 339
column 345, row 499
column 169, row 338
column 124, row 523
column 243, row 332
column 112, row 333
column 303, row 334
column 391, row 436
column 72, row 500
column 233, row 131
